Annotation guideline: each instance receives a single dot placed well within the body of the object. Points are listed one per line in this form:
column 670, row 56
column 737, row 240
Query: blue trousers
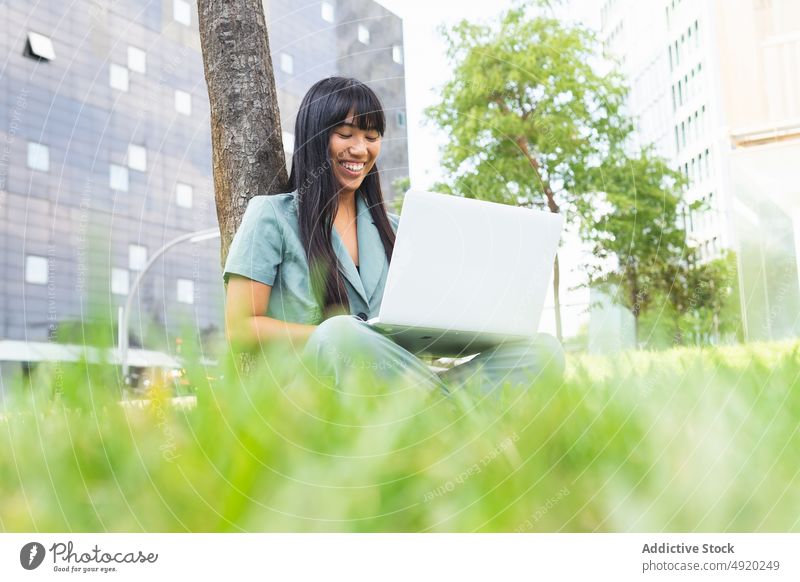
column 344, row 344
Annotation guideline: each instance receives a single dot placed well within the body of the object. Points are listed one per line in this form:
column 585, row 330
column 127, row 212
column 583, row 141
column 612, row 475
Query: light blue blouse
column 267, row 248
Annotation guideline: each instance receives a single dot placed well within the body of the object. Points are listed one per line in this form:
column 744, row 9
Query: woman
column 301, row 261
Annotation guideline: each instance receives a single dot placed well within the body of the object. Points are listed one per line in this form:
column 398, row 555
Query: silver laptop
column 466, row 274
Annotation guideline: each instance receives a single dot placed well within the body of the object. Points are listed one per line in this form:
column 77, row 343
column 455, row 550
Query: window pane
column 182, row 12
column 118, row 77
column 38, row 157
column 36, row 269
column 119, row 281
column 183, row 102
column 397, row 54
column 287, row 63
column 41, row 46
column 137, row 257
column 363, row 34
column 288, row 142
column 183, row 195
column 118, row 178
column 185, row 290
column 137, row 158
column 327, row 11
column 137, row 60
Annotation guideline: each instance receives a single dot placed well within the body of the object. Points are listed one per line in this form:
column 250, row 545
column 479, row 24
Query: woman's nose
column 359, row 147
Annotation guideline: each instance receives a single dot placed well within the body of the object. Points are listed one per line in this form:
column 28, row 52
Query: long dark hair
column 326, row 105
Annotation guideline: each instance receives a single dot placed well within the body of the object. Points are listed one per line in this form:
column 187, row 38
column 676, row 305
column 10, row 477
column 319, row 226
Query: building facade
column 715, row 88
column 106, row 157
column 667, row 51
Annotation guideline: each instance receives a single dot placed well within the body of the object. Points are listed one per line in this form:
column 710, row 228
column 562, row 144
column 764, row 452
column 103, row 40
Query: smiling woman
column 303, row 259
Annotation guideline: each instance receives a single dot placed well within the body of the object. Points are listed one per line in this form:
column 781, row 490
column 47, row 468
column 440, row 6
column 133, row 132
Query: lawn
column 682, row 440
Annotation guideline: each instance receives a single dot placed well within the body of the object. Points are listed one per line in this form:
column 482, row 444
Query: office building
column 714, row 87
column 106, row 149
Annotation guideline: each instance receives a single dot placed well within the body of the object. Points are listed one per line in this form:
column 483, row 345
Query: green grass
column 685, row 440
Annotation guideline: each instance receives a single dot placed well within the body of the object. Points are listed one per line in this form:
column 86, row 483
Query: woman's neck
column 346, row 209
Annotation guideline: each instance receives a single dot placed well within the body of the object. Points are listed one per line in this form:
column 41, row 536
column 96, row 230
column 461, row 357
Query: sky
column 427, row 69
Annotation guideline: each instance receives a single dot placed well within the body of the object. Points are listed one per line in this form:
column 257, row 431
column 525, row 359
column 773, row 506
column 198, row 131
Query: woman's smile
column 353, row 168
column 355, row 151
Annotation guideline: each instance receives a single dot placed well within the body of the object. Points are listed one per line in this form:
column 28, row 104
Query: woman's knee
column 338, row 328
column 342, row 337
column 542, row 357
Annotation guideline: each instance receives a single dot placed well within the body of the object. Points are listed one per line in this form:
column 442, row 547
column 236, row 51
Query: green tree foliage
column 706, row 307
column 529, row 119
column 531, row 122
column 636, row 233
column 641, row 250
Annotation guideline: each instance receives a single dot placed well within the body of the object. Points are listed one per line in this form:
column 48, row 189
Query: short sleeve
column 257, row 247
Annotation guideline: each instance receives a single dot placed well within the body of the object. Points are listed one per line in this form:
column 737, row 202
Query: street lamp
column 192, row 237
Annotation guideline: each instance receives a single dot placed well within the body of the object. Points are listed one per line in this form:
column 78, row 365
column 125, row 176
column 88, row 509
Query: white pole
column 192, row 237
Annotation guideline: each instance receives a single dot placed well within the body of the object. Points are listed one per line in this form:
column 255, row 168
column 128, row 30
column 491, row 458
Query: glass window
column 137, row 60
column 183, row 102
column 326, row 11
column 40, row 46
column 186, row 291
column 184, row 195
column 182, row 12
column 118, row 177
column 36, row 269
column 363, row 34
column 120, row 281
column 288, row 142
column 38, row 156
column 118, row 77
column 287, row 63
column 137, row 257
column 137, row 158
column 397, row 54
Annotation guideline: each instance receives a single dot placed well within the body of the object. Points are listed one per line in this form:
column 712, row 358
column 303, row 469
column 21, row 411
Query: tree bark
column 636, row 298
column 557, row 298
column 246, row 139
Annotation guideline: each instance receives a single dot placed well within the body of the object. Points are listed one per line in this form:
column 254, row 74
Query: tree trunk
column 246, row 139
column 554, row 208
column 557, row 298
column 636, row 308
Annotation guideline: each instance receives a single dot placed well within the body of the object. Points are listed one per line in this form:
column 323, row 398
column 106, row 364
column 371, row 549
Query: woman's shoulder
column 281, row 207
column 282, row 203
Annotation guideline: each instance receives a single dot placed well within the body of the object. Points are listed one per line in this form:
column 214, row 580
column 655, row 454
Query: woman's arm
column 246, row 326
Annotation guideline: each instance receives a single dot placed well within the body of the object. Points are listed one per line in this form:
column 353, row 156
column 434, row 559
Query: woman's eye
column 345, row 135
column 372, row 138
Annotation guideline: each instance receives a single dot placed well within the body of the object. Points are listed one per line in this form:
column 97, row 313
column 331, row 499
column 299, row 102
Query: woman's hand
column 246, row 325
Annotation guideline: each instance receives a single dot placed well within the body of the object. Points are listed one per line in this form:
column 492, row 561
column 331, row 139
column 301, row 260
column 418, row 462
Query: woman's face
column 353, row 152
